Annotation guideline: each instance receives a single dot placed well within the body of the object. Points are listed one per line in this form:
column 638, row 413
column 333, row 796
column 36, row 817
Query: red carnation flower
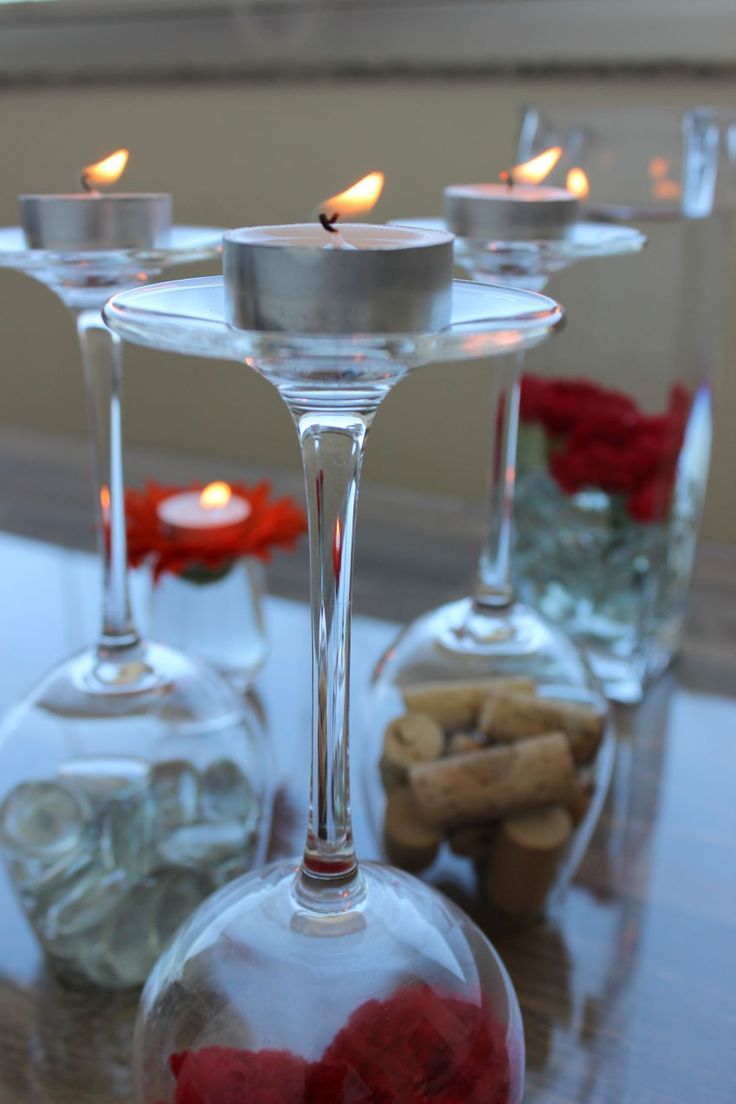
column 224, row 1075
column 270, row 524
column 417, row 1047
column 602, row 440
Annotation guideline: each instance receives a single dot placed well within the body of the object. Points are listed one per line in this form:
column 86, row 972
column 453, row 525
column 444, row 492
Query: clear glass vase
column 616, row 421
column 214, row 614
column 325, row 979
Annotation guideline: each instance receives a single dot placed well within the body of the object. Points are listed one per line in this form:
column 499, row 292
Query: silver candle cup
column 493, row 212
column 383, row 279
column 89, row 223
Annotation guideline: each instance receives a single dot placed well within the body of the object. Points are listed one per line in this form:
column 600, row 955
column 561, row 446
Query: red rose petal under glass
column 417, row 1047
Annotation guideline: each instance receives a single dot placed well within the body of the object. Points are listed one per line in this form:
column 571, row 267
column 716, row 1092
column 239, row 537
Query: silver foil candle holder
column 497, row 212
column 91, row 222
column 377, row 279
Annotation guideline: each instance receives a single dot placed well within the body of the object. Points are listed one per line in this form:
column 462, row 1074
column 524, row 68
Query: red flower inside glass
column 599, row 438
column 417, row 1047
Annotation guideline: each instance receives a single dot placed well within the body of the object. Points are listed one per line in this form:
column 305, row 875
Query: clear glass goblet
column 450, row 660
column 321, row 978
column 133, row 777
column 490, row 633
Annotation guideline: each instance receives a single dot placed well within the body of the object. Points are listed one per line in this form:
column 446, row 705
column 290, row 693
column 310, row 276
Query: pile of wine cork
column 503, row 775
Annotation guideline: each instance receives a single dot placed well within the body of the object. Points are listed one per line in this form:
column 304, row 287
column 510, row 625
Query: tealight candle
column 203, row 517
column 307, row 278
column 91, row 222
column 520, row 208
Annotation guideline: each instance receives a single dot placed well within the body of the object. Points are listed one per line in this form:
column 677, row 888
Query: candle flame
column 666, row 189
column 658, row 168
column 105, row 499
column 536, row 170
column 215, row 495
column 577, row 183
column 106, row 171
column 360, row 198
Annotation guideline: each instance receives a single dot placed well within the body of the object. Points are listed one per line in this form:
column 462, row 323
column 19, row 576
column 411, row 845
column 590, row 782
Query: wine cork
column 412, row 738
column 494, row 782
column 460, row 743
column 410, row 843
column 516, row 716
column 524, row 859
column 473, row 841
column 456, row 704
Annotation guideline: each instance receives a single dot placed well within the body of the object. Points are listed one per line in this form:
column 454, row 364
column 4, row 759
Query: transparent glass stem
column 332, row 451
column 493, row 587
column 101, row 356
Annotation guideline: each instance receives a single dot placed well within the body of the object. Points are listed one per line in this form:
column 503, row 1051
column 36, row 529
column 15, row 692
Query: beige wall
column 241, row 153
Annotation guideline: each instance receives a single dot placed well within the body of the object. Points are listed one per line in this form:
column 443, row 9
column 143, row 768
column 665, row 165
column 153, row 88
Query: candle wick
column 87, row 185
column 507, row 178
column 329, row 222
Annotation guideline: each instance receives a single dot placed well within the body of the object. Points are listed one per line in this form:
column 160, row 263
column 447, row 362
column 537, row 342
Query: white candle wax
column 499, row 212
column 185, row 513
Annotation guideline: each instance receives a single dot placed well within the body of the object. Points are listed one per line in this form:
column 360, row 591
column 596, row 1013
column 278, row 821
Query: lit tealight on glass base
column 333, row 981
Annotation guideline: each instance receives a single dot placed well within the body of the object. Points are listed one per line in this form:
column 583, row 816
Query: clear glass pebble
column 225, row 793
column 113, row 855
column 204, row 846
column 127, row 834
column 42, row 820
column 105, row 777
column 133, row 942
column 175, row 785
column 87, row 901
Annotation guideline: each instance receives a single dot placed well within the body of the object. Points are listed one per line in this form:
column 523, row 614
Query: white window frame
column 91, row 39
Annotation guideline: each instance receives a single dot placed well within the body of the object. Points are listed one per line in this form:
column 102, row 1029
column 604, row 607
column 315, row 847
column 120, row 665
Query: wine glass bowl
column 389, row 993
column 124, row 804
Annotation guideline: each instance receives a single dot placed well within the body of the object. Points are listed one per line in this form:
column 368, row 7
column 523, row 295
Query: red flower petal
column 270, row 524
column 417, row 1047
column 224, row 1075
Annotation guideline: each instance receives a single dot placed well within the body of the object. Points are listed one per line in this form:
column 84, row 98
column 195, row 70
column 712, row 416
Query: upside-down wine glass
column 133, row 776
column 471, row 647
column 322, row 976
column 489, row 633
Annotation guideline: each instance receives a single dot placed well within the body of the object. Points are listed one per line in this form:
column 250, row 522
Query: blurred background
column 252, row 113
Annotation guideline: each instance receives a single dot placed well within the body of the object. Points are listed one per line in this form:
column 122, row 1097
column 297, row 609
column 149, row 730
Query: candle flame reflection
column 107, row 171
column 360, row 198
column 577, row 183
column 536, row 170
column 215, row 496
column 658, row 168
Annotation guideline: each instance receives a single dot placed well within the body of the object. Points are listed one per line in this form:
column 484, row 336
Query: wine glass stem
column 493, row 587
column 332, row 451
column 101, row 356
